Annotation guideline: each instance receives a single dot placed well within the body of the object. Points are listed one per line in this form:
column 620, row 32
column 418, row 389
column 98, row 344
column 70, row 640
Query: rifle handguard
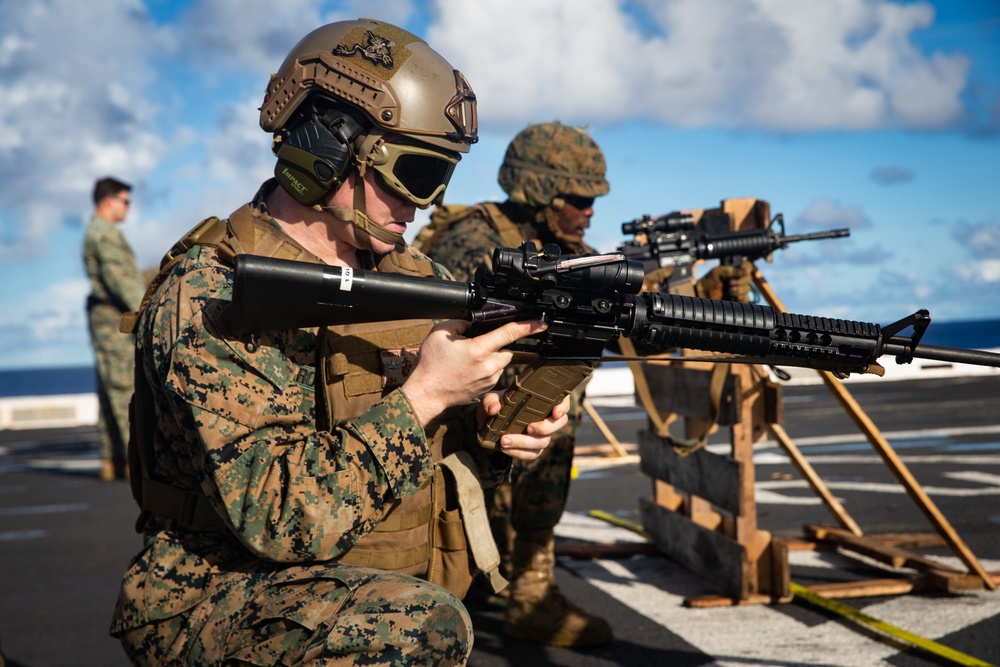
column 533, row 395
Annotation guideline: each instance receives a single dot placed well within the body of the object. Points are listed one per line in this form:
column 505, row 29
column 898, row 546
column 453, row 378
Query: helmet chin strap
column 364, row 228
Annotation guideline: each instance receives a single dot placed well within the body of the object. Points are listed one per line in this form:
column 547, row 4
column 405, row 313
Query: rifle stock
column 588, row 302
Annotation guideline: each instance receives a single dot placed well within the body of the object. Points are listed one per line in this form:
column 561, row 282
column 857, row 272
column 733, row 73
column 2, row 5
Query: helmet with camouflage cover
column 547, row 160
column 348, row 86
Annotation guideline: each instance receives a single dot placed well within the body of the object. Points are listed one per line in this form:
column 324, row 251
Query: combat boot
column 536, row 608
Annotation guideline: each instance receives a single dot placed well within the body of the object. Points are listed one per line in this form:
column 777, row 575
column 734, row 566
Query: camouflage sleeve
column 246, row 428
column 467, row 244
column 118, row 269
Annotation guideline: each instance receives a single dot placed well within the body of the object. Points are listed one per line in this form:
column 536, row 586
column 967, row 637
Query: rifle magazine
column 533, row 395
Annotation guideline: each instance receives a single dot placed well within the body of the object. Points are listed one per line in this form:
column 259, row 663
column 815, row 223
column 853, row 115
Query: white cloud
column 982, row 240
column 256, row 35
column 826, row 214
column 57, row 309
column 780, row 65
column 237, row 158
column 982, row 272
column 73, row 77
column 248, row 34
column 53, row 320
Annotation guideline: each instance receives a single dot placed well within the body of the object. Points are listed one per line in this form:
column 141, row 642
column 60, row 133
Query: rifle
column 588, row 301
column 668, row 241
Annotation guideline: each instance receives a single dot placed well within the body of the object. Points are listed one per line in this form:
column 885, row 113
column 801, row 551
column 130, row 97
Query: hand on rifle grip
column 731, row 283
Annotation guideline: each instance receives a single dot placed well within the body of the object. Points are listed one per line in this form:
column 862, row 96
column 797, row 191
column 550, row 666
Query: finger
column 547, row 426
column 725, row 272
column 511, row 332
column 562, row 408
column 523, row 447
column 491, row 403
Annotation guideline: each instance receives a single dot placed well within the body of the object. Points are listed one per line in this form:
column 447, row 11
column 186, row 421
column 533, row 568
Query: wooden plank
column 583, row 550
column 685, row 391
column 953, row 582
column 603, row 428
column 718, row 560
column 884, row 553
column 710, row 601
column 908, row 540
column 868, row 588
column 743, row 434
column 629, row 448
column 774, row 572
column 702, row 473
column 666, row 496
column 747, row 212
column 934, row 580
column 700, row 511
column 799, row 544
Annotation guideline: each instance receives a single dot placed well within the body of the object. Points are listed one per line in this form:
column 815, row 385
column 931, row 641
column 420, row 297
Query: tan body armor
column 445, row 216
column 440, row 533
column 423, row 535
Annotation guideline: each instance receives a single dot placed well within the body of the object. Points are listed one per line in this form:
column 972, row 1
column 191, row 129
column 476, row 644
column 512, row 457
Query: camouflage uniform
column 116, row 287
column 242, row 421
column 544, row 161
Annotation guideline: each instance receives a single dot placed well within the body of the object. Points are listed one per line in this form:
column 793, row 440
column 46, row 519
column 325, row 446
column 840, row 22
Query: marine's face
column 381, row 208
column 386, row 210
column 115, row 208
column 574, row 216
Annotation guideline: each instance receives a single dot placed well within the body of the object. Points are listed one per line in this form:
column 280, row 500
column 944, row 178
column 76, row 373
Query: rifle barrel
column 815, row 236
column 956, row 355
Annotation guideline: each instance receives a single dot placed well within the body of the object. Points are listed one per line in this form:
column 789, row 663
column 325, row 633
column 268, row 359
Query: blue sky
column 877, row 115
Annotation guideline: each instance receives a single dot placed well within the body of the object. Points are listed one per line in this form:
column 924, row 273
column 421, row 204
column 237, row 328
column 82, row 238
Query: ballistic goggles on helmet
column 412, row 172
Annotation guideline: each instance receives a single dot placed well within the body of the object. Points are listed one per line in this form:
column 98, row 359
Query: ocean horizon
column 51, row 381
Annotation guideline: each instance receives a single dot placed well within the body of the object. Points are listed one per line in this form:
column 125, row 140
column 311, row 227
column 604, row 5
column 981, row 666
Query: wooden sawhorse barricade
column 703, row 514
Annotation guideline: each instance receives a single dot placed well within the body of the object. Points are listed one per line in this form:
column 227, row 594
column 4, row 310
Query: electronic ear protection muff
column 316, row 153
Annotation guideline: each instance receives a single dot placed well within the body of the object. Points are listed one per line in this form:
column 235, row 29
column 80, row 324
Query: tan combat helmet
column 547, row 160
column 366, row 94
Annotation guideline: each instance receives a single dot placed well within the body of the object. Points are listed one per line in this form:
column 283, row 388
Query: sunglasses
column 580, row 203
column 413, row 173
column 125, row 200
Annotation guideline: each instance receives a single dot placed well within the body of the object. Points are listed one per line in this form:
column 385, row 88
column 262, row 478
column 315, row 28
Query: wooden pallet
column 703, row 513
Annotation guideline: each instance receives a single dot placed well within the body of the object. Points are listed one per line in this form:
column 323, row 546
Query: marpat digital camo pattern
column 236, row 419
column 551, row 159
column 467, row 244
column 116, row 287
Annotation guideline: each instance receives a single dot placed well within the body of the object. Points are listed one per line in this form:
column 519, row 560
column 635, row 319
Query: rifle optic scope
column 670, row 222
column 524, row 269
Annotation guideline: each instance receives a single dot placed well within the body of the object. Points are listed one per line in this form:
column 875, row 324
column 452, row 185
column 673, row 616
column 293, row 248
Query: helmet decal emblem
column 378, row 50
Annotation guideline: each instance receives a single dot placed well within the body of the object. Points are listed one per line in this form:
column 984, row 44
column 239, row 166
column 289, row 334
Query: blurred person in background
column 116, row 287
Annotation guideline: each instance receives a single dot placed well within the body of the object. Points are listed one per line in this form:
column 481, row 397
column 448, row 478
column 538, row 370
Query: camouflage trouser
column 305, row 616
column 114, row 354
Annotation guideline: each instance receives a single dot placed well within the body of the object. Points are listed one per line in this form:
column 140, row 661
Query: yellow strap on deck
column 861, row 618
